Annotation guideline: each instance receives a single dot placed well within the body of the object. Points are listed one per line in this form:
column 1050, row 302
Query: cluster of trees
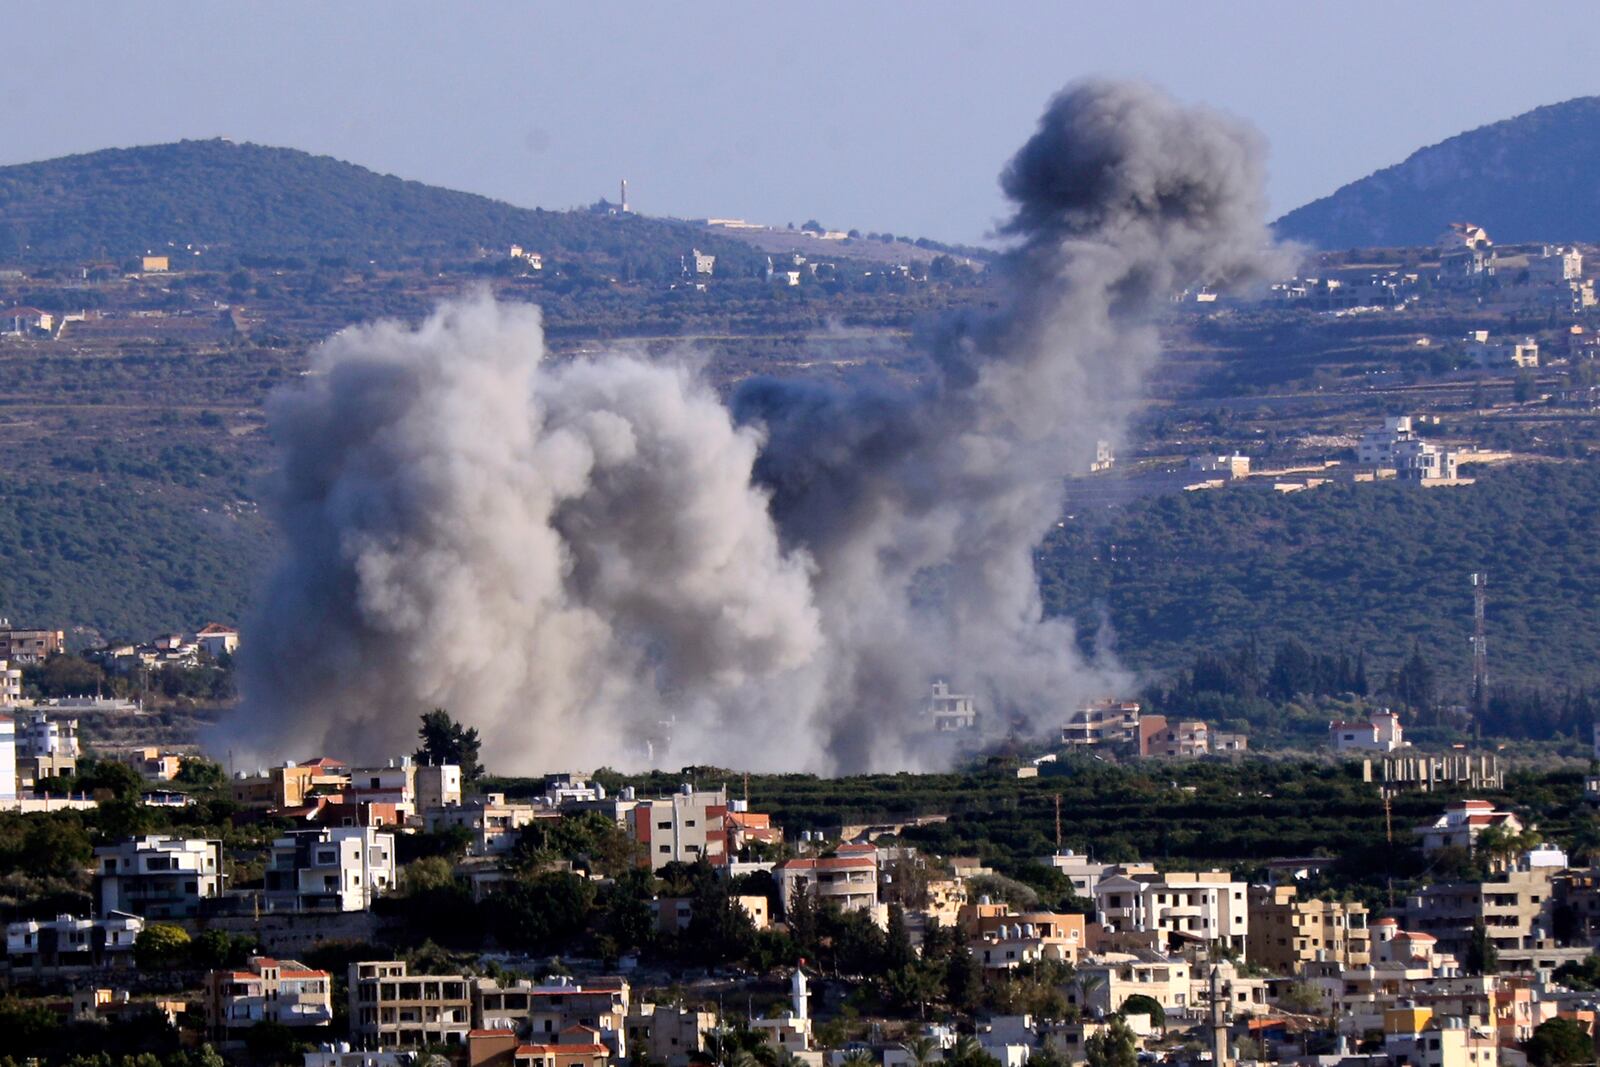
column 1377, row 570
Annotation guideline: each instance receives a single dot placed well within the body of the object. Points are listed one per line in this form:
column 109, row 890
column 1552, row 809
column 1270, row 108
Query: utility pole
column 1058, row 822
column 1388, row 817
column 1480, row 644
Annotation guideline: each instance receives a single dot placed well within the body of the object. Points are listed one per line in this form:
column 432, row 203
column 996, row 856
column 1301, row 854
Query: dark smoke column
column 1122, row 197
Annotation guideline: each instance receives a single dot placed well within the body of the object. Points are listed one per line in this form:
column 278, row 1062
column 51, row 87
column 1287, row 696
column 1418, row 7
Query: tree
column 1114, row 1046
column 1141, row 1004
column 963, row 979
column 897, row 950
column 160, row 946
column 446, row 741
column 1559, row 1043
column 1482, row 957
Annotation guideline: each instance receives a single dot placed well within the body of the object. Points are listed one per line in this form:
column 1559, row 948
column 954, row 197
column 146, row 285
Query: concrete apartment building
column 1287, row 932
column 1101, row 988
column 951, row 712
column 438, row 786
column 391, row 1009
column 666, row 1034
column 489, row 818
column 1106, row 722
column 66, row 942
column 10, row 684
column 277, row 788
column 8, row 761
column 268, row 990
column 30, row 646
column 1081, row 871
column 158, row 877
column 1003, row 940
column 1192, row 906
column 685, row 827
column 1517, row 909
column 1173, row 739
column 850, row 882
column 340, row 868
column 544, row 1012
column 46, row 747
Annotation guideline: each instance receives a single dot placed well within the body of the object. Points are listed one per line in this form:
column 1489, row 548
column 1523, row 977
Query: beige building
column 1286, row 932
column 849, row 882
column 391, row 1009
column 268, row 990
column 1103, row 987
column 1516, row 909
column 493, row 821
column 1106, row 722
column 1174, row 738
column 666, row 1034
column 685, row 827
column 544, row 1012
column 277, row 788
column 31, row 646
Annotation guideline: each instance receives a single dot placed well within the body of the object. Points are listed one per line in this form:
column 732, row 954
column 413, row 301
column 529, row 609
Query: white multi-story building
column 438, row 786
column 1105, row 722
column 950, row 712
column 341, row 868
column 685, row 827
column 1381, row 732
column 1194, row 906
column 1081, row 871
column 394, row 784
column 1395, row 446
column 8, row 760
column 66, row 941
column 40, row 735
column 158, row 877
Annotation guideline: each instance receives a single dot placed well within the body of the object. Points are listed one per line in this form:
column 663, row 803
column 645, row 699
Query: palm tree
column 921, row 1049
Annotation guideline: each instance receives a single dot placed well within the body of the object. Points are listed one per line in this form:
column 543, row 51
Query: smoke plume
column 570, row 555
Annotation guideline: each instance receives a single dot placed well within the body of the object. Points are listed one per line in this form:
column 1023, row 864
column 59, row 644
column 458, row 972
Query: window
column 666, row 848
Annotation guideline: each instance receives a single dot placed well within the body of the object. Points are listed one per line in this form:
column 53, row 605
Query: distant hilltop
column 1535, row 177
column 257, row 200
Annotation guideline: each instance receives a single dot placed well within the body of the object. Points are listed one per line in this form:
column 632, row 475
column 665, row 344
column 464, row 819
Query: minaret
column 797, row 992
column 1219, row 1024
column 624, row 208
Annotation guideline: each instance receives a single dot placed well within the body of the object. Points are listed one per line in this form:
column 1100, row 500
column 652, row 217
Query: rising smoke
column 567, row 555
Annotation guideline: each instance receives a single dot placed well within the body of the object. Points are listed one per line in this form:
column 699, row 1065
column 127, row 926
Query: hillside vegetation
column 1535, row 177
column 259, row 201
column 1372, row 568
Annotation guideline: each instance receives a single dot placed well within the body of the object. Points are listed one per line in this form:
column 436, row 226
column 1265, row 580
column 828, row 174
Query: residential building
column 339, row 868
column 951, row 712
column 1461, row 824
column 158, row 877
column 668, row 1035
column 67, row 941
column 1181, row 906
column 217, row 640
column 268, row 990
column 394, row 783
column 1516, row 910
column 544, row 1012
column 1081, row 871
column 1381, row 732
column 1104, row 986
column 1395, row 446
column 1176, row 739
column 438, row 786
column 31, row 646
column 687, row 826
column 1005, row 942
column 390, row 1008
column 700, row 263
column 288, row 786
column 746, row 828
column 576, row 1048
column 1234, row 466
column 1106, row 722
column 25, row 320
column 1287, row 932
column 39, row 735
column 10, row 684
column 8, row 760
column 493, row 822
column 848, row 881
column 154, row 763
column 154, row 264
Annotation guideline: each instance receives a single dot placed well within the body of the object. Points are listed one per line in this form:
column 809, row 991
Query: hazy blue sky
column 889, row 116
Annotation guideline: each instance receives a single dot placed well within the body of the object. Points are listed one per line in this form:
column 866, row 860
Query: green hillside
column 247, row 199
column 1535, row 177
column 1371, row 567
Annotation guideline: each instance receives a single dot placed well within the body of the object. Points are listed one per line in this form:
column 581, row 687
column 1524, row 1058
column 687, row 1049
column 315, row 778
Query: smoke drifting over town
column 569, row 555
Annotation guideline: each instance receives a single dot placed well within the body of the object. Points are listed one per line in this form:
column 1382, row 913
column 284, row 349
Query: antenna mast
column 1480, row 643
